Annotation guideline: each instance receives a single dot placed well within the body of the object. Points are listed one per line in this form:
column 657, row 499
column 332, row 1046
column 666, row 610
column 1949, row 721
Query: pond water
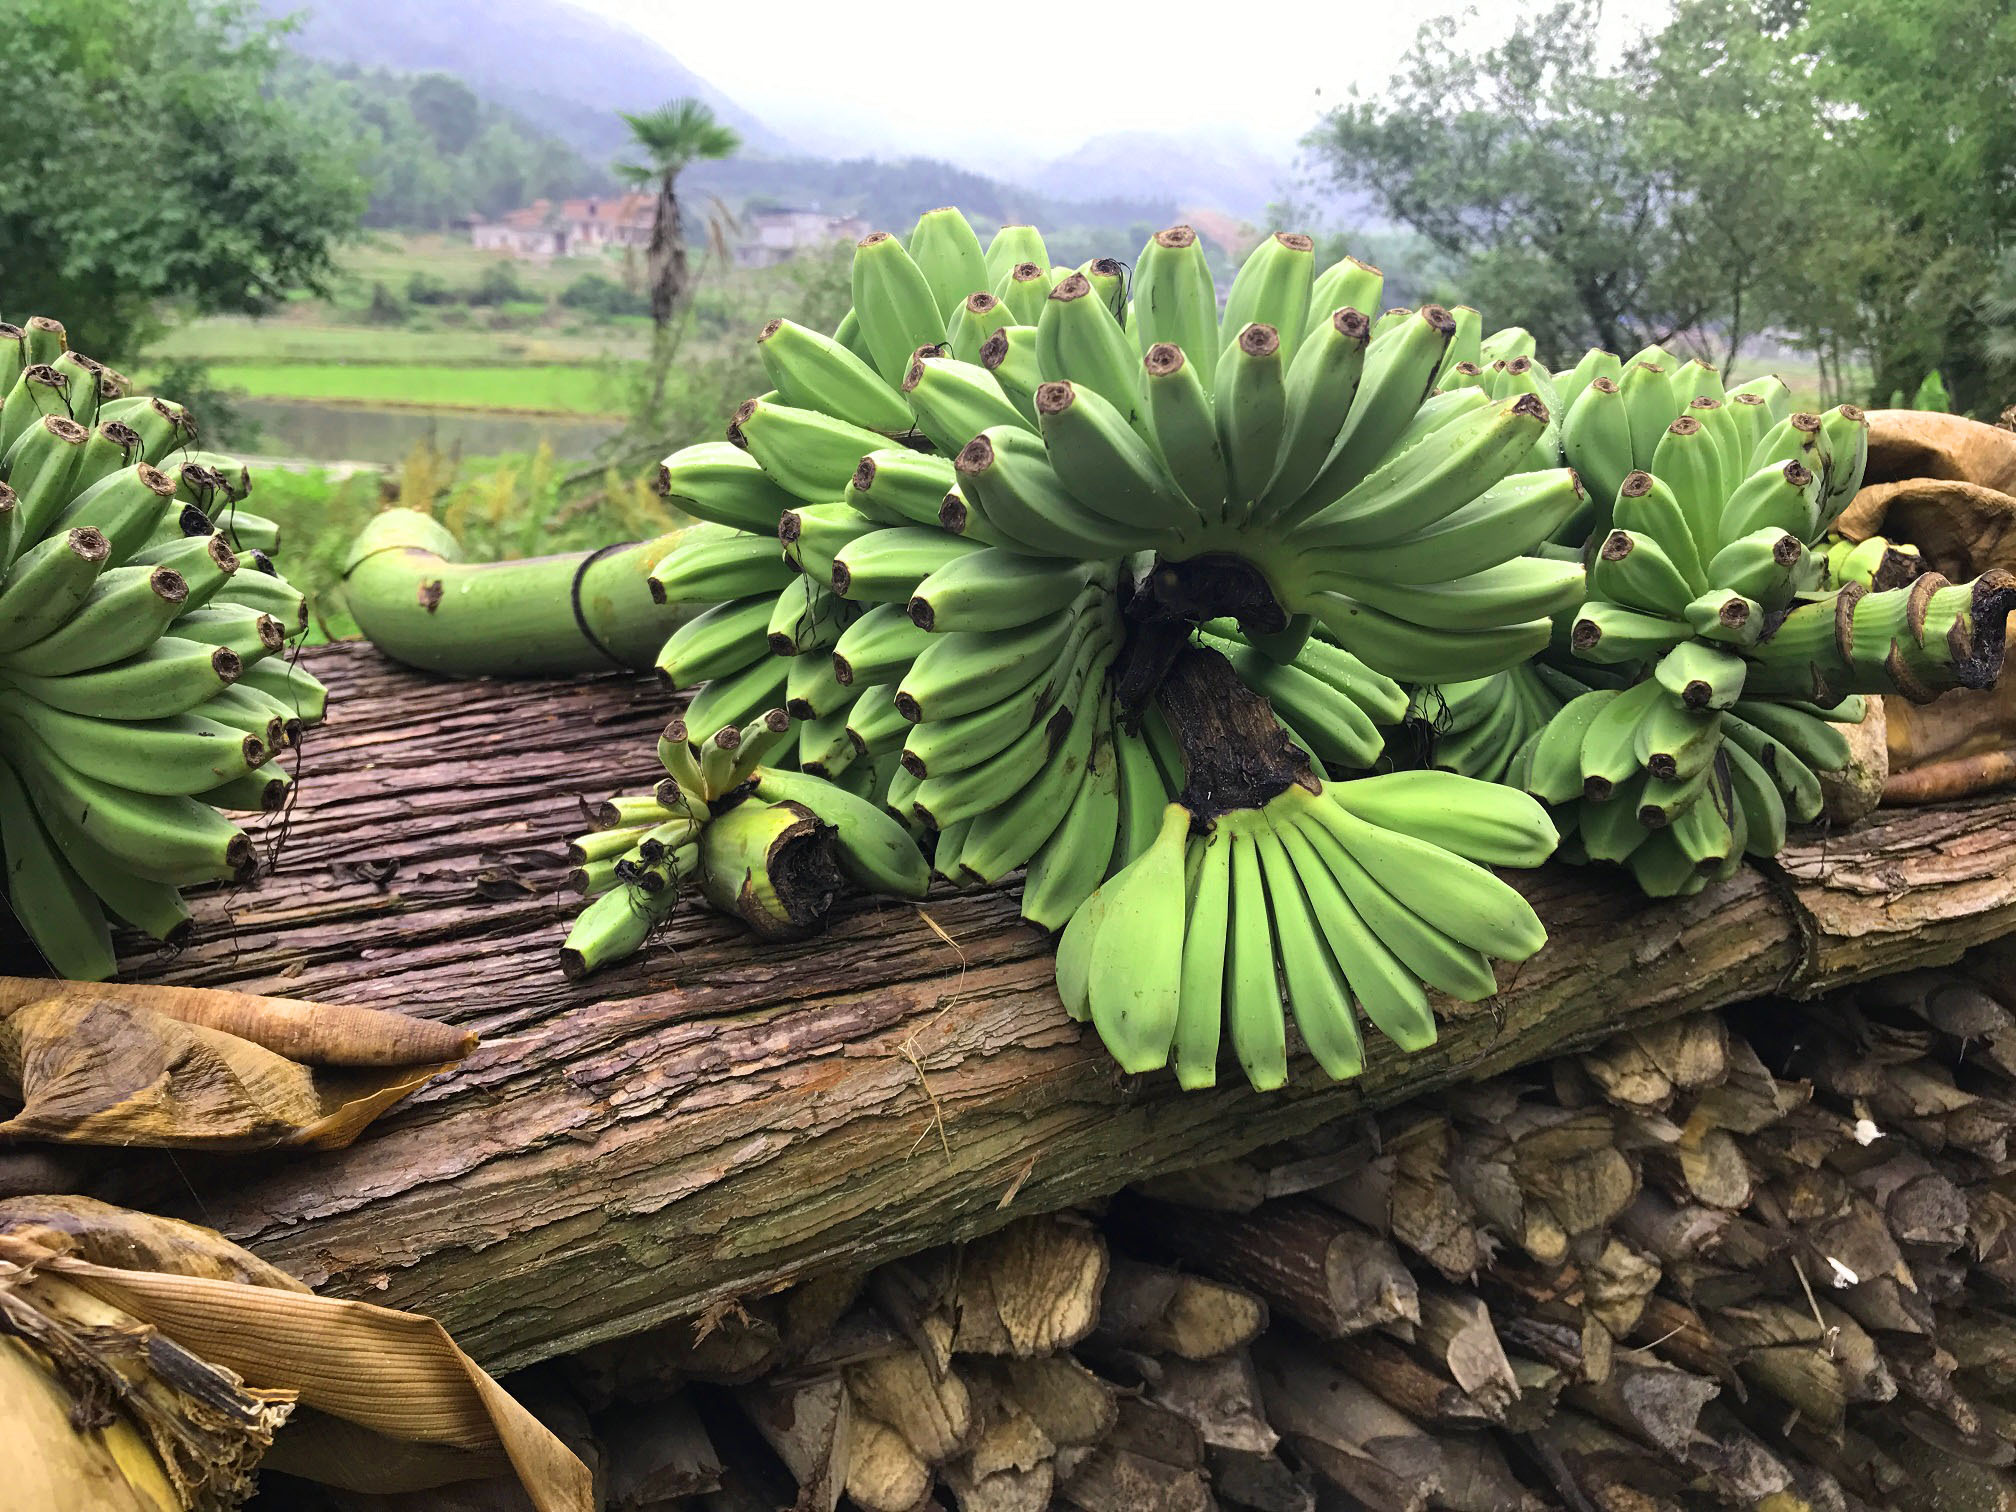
column 358, row 433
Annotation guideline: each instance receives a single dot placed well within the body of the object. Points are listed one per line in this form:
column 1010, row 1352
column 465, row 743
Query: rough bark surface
column 715, row 1117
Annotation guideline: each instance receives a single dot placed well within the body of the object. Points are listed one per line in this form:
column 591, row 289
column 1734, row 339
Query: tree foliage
column 435, row 152
column 1842, row 172
column 145, row 157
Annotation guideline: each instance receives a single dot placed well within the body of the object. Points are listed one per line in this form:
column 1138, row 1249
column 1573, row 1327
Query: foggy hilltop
column 566, row 72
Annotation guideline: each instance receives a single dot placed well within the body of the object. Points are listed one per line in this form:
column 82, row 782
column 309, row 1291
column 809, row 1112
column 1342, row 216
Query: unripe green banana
column 808, row 454
column 1596, row 435
column 968, row 670
column 1012, row 245
column 1506, row 520
column 978, row 317
column 1006, row 479
column 997, row 590
column 1701, row 676
column 1647, row 392
column 720, row 640
column 1768, row 565
column 1319, row 389
column 955, row 401
column 724, row 485
column 1398, row 373
column 1635, row 571
column 1688, row 460
column 711, row 565
column 1727, row 617
column 1272, row 288
column 1176, row 302
column 1779, row 495
column 874, row 723
column 1022, row 290
column 1510, row 593
column 815, row 372
column 896, row 308
column 1251, row 412
column 126, row 611
column 46, row 584
column 1345, row 284
column 1107, row 466
column 1079, row 342
column 1611, row 635
column 948, row 253
column 885, row 566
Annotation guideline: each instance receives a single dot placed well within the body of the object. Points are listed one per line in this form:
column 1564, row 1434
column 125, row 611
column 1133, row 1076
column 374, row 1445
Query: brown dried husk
column 315, row 1034
column 382, row 1401
column 1947, row 485
column 92, row 1070
column 103, row 1412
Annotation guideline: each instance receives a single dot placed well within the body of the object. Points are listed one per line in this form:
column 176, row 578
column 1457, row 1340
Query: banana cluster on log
column 1762, row 1259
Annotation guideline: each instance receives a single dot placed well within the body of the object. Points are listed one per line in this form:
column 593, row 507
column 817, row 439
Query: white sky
column 999, row 83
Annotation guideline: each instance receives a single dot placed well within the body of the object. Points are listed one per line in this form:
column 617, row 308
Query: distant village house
column 583, row 227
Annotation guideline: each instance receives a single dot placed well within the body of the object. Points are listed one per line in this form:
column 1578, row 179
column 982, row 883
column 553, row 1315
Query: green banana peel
column 590, row 611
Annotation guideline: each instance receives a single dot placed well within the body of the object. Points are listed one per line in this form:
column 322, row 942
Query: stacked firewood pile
column 1763, row 1258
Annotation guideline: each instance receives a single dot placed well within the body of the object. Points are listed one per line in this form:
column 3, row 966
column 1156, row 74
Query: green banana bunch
column 144, row 679
column 970, row 633
column 1319, row 907
column 1730, row 636
column 758, row 841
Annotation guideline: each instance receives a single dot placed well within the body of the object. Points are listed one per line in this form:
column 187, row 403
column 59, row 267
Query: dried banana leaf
column 315, row 1034
column 89, row 1070
column 392, row 1375
column 88, row 1229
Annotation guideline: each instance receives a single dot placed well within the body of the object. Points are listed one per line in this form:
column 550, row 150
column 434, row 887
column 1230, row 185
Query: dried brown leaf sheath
column 92, row 1071
column 315, row 1034
column 390, row 1374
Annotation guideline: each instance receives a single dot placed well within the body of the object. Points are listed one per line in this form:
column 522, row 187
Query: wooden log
column 1030, row 1289
column 1161, row 1311
column 655, row 1453
column 1329, row 1274
column 716, row 1118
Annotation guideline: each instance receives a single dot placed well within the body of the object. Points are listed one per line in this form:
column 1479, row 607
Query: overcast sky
column 998, row 82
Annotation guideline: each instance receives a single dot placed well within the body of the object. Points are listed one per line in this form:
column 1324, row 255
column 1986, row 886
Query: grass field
column 228, row 339
column 529, row 389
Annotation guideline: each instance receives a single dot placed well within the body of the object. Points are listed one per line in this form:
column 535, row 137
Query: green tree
column 146, row 160
column 1652, row 201
column 1919, row 98
column 447, row 109
column 670, row 139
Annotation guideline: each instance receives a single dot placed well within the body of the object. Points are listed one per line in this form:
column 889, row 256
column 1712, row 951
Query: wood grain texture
column 715, row 1117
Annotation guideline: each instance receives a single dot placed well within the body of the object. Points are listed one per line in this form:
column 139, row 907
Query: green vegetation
column 434, row 151
column 545, row 389
column 499, row 507
column 1835, row 172
column 151, row 161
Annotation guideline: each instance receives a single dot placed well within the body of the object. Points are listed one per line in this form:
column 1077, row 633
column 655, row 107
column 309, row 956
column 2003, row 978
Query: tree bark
column 666, row 256
column 716, row 1117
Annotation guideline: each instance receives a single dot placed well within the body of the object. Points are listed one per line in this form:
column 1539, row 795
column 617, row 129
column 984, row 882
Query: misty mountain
column 564, row 70
column 1219, row 171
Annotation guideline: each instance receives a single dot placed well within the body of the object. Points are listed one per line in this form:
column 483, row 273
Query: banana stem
column 417, row 601
column 770, row 865
column 1237, row 753
column 1918, row 641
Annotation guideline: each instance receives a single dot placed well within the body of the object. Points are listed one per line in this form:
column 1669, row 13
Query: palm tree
column 669, row 139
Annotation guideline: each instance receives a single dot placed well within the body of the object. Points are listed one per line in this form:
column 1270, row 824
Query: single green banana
column 997, row 590
column 814, row 372
column 885, row 566
column 1271, row 288
column 723, row 484
column 1636, row 571
column 1176, row 301
column 1259, row 1032
column 897, row 310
